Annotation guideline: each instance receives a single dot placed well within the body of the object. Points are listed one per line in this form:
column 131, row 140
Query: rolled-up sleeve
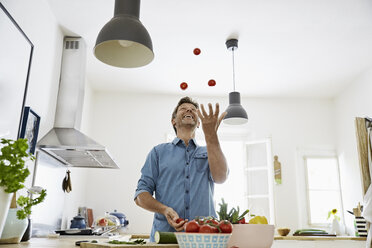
column 149, row 174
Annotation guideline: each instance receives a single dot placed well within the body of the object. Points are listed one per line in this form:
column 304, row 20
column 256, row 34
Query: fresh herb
column 134, row 242
column 12, row 164
column 27, row 202
column 233, row 215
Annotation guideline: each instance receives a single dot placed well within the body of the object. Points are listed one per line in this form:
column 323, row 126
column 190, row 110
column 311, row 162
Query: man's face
column 186, row 115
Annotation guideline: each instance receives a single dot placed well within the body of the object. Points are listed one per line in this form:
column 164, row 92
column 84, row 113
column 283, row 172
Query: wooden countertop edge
column 319, row 238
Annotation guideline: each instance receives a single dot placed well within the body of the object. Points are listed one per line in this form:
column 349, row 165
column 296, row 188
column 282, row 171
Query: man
column 181, row 173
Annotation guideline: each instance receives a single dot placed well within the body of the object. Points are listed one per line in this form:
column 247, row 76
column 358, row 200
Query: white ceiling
column 287, row 48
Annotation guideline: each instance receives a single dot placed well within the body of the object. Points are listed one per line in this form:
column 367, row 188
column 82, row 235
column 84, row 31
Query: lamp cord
column 233, row 67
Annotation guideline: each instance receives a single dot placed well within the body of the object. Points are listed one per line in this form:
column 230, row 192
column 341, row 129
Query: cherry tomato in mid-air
column 211, row 82
column 183, row 86
column 197, row 51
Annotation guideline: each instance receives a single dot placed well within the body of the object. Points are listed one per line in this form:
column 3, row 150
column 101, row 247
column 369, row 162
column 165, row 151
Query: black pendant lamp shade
column 124, row 41
column 236, row 115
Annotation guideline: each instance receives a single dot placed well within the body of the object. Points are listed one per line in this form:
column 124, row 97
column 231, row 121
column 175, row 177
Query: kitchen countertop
column 318, row 238
column 69, row 241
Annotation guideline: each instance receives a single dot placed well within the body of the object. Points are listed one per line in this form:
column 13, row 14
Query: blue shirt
column 181, row 179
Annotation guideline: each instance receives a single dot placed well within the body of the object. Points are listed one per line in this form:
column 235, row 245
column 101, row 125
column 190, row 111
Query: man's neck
column 185, row 135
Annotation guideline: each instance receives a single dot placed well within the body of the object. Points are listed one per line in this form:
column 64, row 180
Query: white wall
column 354, row 101
column 131, row 124
column 44, row 74
column 39, row 24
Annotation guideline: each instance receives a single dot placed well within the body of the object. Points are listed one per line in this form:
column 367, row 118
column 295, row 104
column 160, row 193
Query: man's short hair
column 183, row 100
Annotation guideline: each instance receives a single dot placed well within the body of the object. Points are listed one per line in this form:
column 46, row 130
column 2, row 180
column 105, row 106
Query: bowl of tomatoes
column 205, row 233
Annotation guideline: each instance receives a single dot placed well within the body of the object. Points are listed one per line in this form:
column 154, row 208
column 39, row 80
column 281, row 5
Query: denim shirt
column 181, row 179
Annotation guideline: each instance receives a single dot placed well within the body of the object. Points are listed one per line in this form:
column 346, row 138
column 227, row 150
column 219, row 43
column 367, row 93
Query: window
column 322, row 188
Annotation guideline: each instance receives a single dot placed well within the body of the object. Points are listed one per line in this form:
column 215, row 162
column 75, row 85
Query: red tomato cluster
column 208, row 226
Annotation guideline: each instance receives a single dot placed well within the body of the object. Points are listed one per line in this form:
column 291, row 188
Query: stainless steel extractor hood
column 65, row 142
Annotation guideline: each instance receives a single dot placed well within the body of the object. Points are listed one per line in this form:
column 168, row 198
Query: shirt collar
column 177, row 140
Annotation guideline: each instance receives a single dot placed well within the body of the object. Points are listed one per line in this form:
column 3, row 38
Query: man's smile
column 188, row 116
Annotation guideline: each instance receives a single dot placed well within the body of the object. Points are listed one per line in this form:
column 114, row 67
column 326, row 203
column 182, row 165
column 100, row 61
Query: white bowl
column 252, row 236
column 202, row 240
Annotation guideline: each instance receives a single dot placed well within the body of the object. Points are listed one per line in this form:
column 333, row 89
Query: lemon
column 258, row 220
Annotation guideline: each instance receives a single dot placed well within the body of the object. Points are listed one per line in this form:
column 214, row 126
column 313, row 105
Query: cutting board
column 106, row 245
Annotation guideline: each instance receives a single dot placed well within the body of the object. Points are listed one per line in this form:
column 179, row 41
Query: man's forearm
column 216, row 159
column 146, row 201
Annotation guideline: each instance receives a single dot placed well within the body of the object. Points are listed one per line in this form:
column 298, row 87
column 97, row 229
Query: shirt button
column 187, row 208
column 187, row 191
column 187, row 177
column 187, row 162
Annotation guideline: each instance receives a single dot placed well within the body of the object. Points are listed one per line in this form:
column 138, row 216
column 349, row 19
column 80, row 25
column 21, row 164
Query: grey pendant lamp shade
column 124, row 41
column 236, row 115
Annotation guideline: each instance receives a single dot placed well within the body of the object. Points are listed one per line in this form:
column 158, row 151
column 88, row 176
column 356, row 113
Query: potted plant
column 335, row 226
column 18, row 224
column 13, row 173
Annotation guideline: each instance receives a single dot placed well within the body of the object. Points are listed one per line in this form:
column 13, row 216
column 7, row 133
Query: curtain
column 363, row 142
column 364, row 137
column 369, row 141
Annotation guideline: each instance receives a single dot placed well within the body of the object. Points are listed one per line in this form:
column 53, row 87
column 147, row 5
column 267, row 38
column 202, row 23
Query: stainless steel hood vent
column 65, row 142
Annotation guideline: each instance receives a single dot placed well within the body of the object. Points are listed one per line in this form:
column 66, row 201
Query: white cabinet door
column 259, row 174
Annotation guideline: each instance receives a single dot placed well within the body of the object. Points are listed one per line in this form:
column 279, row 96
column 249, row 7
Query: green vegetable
column 233, row 215
column 134, row 242
column 165, row 238
column 26, row 203
column 12, row 164
column 302, row 231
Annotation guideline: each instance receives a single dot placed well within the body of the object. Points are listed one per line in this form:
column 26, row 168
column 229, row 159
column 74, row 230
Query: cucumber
column 309, row 231
column 165, row 238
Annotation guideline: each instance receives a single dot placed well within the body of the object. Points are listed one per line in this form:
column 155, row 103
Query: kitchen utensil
column 66, row 183
column 123, row 221
column 75, row 231
column 106, row 224
column 283, row 231
column 78, row 222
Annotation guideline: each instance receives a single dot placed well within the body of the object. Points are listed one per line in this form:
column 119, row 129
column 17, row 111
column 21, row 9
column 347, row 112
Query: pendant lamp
column 124, row 41
column 236, row 114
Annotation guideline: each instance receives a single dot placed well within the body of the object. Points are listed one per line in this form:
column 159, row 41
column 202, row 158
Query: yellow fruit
column 258, row 220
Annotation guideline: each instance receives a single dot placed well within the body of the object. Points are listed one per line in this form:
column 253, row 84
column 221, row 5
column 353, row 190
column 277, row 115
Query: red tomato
column 199, row 220
column 208, row 229
column 183, row 86
column 179, row 220
column 102, row 222
column 211, row 82
column 213, row 221
column 197, row 51
column 225, row 226
column 192, row 226
column 242, row 221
